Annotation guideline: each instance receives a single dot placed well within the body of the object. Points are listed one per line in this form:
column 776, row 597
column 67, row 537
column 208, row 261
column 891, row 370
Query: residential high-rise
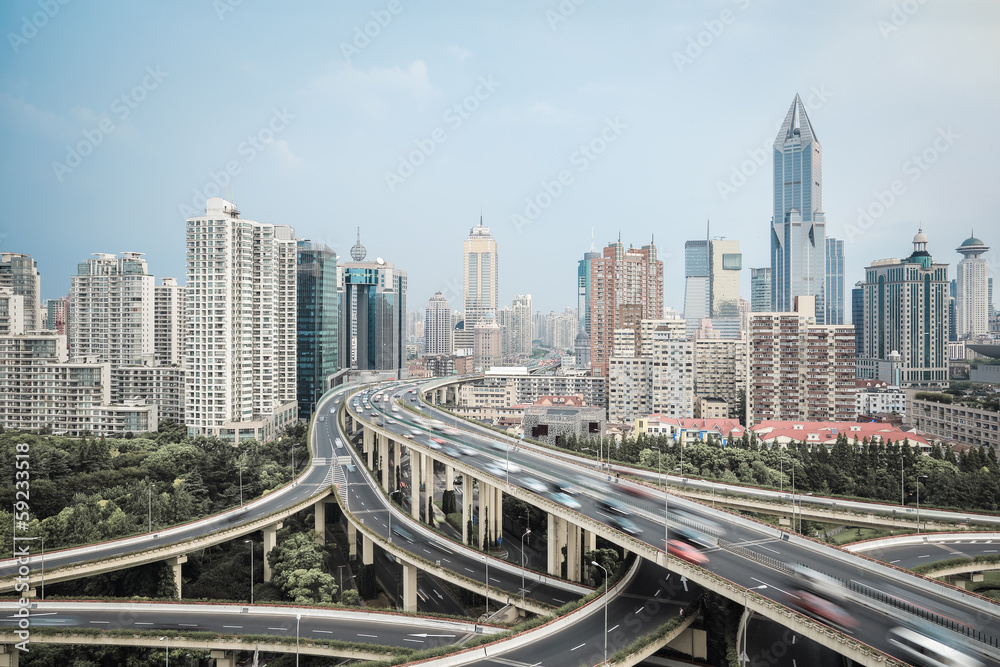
column 719, row 367
column 111, row 310
column 798, row 224
column 858, row 317
column 372, row 314
column 972, row 278
column 760, row 289
column 800, row 370
column 626, row 287
column 482, row 287
column 317, row 318
column 19, row 273
column 168, row 322
column 437, row 326
column 712, row 283
column 240, row 309
column 487, row 343
column 650, row 372
column 583, row 288
column 906, row 320
column 725, row 264
column 520, row 326
column 11, row 313
column 834, row 294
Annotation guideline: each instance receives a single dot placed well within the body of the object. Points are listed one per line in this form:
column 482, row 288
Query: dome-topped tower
column 972, row 247
column 358, row 251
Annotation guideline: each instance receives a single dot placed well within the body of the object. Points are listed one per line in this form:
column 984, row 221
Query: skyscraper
column 760, row 289
column 906, row 320
column 583, row 288
column 437, row 326
column 520, row 326
column 972, row 278
column 19, row 273
column 626, row 287
column 798, row 224
column 372, row 314
column 697, row 292
column 482, row 289
column 725, row 264
column 317, row 318
column 240, row 308
column 858, row 317
column 111, row 310
column 834, row 295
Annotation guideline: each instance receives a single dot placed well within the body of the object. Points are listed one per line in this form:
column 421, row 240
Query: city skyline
column 333, row 144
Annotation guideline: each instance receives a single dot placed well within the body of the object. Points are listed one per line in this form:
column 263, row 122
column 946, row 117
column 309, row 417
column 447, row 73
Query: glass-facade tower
column 834, row 281
column 316, row 322
column 798, row 224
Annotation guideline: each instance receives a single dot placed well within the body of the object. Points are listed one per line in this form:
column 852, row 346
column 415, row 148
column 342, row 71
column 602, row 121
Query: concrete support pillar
column 175, row 565
column 367, row 550
column 352, row 539
column 224, row 658
column 449, row 478
column 383, row 452
column 409, row 587
column 270, row 539
column 589, row 540
column 484, row 494
column 415, row 461
column 397, row 453
column 368, row 442
column 9, row 655
column 319, row 512
column 496, row 512
column 573, row 559
column 466, row 508
column 554, row 539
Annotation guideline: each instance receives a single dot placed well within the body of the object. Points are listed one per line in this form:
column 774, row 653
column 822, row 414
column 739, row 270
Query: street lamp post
column 781, row 467
column 298, row 617
column 487, row 560
column 606, row 582
column 43, row 566
column 241, row 482
column 919, row 477
column 744, row 658
column 167, row 640
column 666, row 513
column 659, row 468
column 527, row 532
column 250, row 542
column 149, row 490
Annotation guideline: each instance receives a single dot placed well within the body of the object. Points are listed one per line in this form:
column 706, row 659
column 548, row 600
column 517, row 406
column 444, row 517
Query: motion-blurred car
column 685, row 551
column 612, row 507
column 625, row 525
column 823, row 610
column 927, row 648
column 468, row 451
column 565, row 500
column 532, row 484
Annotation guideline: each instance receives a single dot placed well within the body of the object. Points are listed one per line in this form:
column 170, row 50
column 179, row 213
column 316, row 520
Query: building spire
column 592, row 240
column 796, row 122
column 358, row 251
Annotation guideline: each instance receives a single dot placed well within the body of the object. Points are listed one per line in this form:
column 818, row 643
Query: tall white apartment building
column 482, row 282
column 520, row 325
column 168, row 323
column 240, row 307
column 11, row 313
column 111, row 310
column 438, row 337
column 19, row 274
column 651, row 371
column 720, row 366
column 972, row 290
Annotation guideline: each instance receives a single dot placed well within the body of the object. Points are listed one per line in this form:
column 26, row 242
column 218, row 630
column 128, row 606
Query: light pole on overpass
column 744, row 658
column 250, row 542
column 298, row 617
column 167, row 640
column 486, row 559
column 606, row 582
column 527, row 532
column 666, row 513
column 919, row 477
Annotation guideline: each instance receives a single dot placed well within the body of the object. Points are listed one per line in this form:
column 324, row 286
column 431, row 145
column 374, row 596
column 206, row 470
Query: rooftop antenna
column 591, row 239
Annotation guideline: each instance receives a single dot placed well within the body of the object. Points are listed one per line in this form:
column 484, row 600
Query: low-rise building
column 969, row 422
column 552, row 418
column 710, row 407
column 688, row 431
column 877, row 397
column 783, row 433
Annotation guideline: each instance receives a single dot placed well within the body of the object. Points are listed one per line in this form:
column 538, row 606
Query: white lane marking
column 418, row 641
column 657, row 592
column 238, row 627
column 893, row 561
column 362, row 635
column 775, row 588
column 277, row 628
column 580, row 646
column 770, row 549
column 101, row 622
column 560, row 601
column 188, row 625
column 613, row 629
column 469, row 569
column 924, row 556
column 143, row 623
column 327, row 632
column 989, row 551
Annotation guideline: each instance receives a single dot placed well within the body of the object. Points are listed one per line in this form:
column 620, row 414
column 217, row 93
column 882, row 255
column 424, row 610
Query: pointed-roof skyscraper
column 798, row 225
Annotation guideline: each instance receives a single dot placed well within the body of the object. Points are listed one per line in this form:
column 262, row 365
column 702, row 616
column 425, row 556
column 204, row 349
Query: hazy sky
column 117, row 119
